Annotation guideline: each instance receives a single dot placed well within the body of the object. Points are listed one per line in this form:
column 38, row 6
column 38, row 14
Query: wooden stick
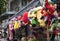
column 48, row 34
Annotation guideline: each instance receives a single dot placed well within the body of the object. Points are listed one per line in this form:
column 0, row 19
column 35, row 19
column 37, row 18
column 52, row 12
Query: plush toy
column 37, row 14
column 48, row 11
column 16, row 24
column 41, row 21
column 34, row 15
column 25, row 18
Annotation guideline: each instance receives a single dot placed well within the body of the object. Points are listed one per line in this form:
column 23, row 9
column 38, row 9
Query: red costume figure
column 25, row 17
column 49, row 10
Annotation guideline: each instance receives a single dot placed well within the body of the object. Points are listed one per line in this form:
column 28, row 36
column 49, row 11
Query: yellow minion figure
column 16, row 25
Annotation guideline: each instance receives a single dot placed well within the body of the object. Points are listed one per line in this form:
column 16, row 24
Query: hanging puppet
column 25, row 18
column 11, row 29
column 48, row 11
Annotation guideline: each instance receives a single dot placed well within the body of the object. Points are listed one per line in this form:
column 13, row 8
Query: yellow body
column 41, row 21
column 16, row 26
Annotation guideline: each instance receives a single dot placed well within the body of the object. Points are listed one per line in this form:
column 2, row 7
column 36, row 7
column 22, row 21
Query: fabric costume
column 25, row 17
column 50, row 9
column 16, row 25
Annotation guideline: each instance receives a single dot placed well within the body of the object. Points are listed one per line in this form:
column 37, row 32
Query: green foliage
column 2, row 6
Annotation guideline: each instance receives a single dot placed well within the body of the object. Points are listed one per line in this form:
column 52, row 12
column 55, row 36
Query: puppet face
column 25, row 17
column 38, row 15
column 41, row 21
column 32, row 14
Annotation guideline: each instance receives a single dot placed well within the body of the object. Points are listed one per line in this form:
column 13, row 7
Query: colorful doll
column 41, row 21
column 11, row 30
column 16, row 24
column 36, row 12
column 31, row 16
column 48, row 11
column 25, row 18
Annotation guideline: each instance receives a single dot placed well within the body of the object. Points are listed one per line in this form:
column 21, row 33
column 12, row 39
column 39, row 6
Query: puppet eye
column 42, row 17
column 35, row 12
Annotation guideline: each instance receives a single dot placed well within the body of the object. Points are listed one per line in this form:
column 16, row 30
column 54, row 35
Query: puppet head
column 19, row 17
column 25, row 18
